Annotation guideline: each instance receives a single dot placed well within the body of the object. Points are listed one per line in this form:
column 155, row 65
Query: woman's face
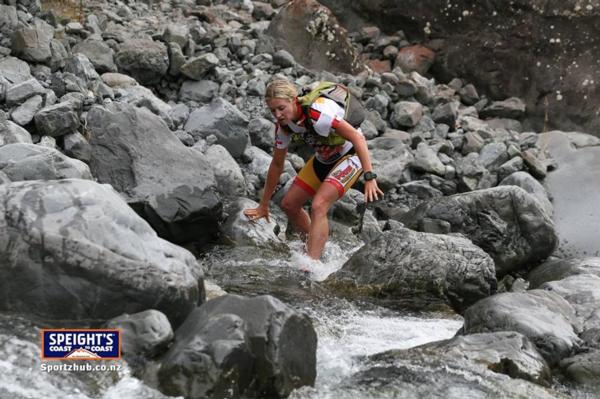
column 283, row 110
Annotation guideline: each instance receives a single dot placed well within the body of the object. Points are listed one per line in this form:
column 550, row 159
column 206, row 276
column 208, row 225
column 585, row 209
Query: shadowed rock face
column 530, row 49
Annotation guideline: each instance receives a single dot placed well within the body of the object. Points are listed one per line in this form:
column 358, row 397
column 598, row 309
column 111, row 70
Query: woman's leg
column 319, row 227
column 292, row 205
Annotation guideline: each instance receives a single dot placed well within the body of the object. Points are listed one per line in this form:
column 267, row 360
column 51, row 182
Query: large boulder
column 545, row 318
column 234, row 346
column 312, row 34
column 403, row 266
column 144, row 59
column 10, row 132
column 390, row 156
column 574, row 188
column 225, row 121
column 22, row 161
column 167, row 183
column 72, row 249
column 507, row 222
column 14, row 70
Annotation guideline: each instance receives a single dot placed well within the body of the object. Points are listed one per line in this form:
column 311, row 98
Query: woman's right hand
column 254, row 214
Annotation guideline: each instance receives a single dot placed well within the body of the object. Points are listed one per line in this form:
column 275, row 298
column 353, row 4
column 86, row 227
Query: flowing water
column 347, row 333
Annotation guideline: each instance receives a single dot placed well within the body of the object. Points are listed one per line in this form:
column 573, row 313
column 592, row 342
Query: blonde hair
column 281, row 88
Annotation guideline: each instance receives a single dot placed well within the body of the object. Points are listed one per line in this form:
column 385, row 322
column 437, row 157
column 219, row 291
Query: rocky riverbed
column 131, row 140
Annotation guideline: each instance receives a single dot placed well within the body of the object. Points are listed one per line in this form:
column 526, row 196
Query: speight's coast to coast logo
column 81, row 344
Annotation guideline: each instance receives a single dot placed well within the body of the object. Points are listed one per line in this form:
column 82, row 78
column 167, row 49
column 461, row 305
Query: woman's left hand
column 372, row 191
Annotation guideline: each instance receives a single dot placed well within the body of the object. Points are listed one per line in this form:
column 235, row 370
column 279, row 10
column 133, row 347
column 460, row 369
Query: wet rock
column 544, row 317
column 312, row 34
column 582, row 291
column 145, row 60
column 558, row 269
column 506, row 222
column 144, row 335
column 225, row 121
column 259, row 354
column 406, row 266
column 176, row 198
column 583, row 368
column 22, row 161
column 88, row 255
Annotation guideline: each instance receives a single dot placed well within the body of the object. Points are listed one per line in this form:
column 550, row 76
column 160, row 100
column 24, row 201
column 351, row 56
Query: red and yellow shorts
column 342, row 174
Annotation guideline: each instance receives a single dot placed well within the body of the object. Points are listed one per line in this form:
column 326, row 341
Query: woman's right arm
column 275, row 170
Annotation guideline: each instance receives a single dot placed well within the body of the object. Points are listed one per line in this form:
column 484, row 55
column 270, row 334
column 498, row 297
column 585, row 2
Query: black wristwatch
column 369, row 176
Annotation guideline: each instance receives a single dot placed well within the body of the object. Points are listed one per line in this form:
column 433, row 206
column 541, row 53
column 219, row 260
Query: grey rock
column 532, row 186
column 258, row 355
column 59, row 55
column 414, row 268
column 8, row 21
column 513, row 108
column 542, row 316
column 145, row 60
column 23, row 161
column 446, row 113
column 473, row 143
column 507, row 222
column 510, row 167
column 196, row 68
column 284, row 59
column 202, row 91
column 582, row 291
column 179, row 114
column 20, row 92
column 79, row 65
column 141, row 96
column 24, row 113
column 225, row 121
column 558, row 269
column 176, row 59
column 99, row 53
column 493, row 155
column 163, row 180
column 177, row 33
column 145, row 334
column 406, row 114
column 426, row 160
column 390, row 157
column 240, row 231
column 76, row 240
column 468, row 94
column 57, row 120
column 583, row 368
column 228, row 175
column 76, row 146
column 14, row 70
column 32, row 42
column 262, row 133
column 11, row 132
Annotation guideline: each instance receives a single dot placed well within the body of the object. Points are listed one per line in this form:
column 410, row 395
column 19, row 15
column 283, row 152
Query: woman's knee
column 289, row 204
column 319, row 207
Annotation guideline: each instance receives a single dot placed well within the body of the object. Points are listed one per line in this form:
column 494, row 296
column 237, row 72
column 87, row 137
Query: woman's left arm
column 348, row 132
